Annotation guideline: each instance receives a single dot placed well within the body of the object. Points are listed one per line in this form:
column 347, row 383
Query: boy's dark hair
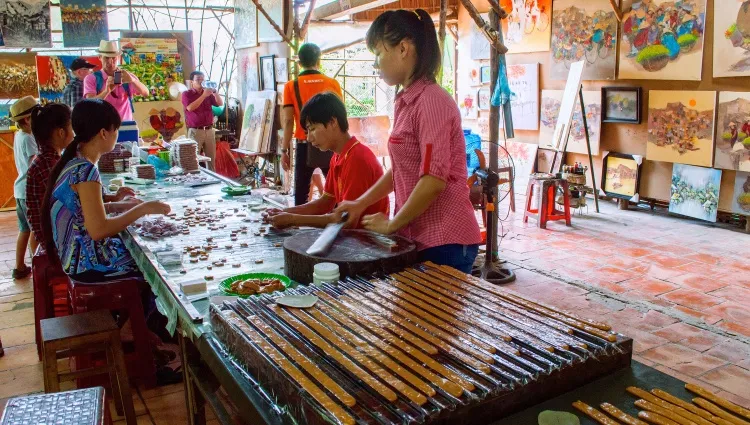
column 194, row 73
column 323, row 107
column 309, row 55
column 46, row 119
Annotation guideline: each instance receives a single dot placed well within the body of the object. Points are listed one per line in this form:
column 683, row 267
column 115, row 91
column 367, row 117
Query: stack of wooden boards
column 662, row 408
column 429, row 344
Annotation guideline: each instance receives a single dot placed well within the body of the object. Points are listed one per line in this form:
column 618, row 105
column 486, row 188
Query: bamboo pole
column 494, row 139
column 487, row 30
column 306, row 22
column 273, row 23
column 616, row 8
column 501, row 14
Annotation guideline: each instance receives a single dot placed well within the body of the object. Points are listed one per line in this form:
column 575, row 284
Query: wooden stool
column 546, row 210
column 78, row 407
column 50, row 292
column 86, row 333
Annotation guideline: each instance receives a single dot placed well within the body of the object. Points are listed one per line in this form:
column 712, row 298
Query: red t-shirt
column 352, row 173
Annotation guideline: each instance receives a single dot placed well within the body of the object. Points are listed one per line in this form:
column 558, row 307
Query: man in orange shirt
column 296, row 93
column 353, row 168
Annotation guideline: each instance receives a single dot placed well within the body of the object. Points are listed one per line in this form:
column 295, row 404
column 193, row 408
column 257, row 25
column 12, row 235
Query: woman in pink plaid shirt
column 426, row 146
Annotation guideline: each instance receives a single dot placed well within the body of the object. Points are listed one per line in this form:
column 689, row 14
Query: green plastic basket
column 236, row 190
column 226, row 284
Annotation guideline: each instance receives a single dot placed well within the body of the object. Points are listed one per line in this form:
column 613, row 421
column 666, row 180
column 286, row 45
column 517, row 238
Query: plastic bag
column 225, row 163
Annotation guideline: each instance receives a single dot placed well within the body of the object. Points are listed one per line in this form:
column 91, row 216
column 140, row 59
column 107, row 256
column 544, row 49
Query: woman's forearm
column 428, row 188
column 113, row 226
column 312, row 220
column 382, row 188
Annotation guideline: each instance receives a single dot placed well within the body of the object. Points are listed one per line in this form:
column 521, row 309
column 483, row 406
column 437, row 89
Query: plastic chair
column 546, row 211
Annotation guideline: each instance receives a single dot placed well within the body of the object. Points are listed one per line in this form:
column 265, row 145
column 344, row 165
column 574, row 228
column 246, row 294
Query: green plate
column 235, row 190
column 226, row 284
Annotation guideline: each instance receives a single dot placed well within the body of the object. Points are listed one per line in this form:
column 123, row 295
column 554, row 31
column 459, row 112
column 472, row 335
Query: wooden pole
column 616, row 8
column 499, row 10
column 494, row 137
column 489, row 31
column 306, row 22
column 588, row 147
column 273, row 23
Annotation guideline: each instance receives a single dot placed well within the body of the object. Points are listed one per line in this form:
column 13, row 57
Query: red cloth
column 225, row 163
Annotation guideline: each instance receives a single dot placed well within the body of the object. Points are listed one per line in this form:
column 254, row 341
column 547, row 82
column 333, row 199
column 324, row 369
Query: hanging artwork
column 621, row 175
column 485, row 74
column 483, row 128
column 267, row 72
column 524, row 158
column 544, row 158
column 621, row 104
column 84, row 22
column 681, row 126
column 266, row 32
column 524, row 104
column 245, row 24
column 18, row 75
column 53, row 74
column 733, row 131
column 468, row 108
column 695, row 191
column 281, row 69
column 732, row 38
column 551, row 101
column 480, row 47
column 663, row 40
column 156, row 63
column 372, row 131
column 160, row 119
column 247, row 72
column 5, row 121
column 483, row 99
column 584, row 30
column 528, row 26
column 26, row 24
column 474, row 76
column 253, row 122
column 741, row 195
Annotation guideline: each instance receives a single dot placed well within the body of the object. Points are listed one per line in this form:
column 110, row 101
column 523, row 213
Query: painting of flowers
column 662, row 39
column 18, row 75
column 741, row 195
column 84, row 22
column 53, row 74
column 524, row 158
column 551, row 100
column 695, row 191
column 26, row 24
column 732, row 38
column 733, row 131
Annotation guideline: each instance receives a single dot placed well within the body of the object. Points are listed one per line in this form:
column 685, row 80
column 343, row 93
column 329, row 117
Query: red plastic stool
column 50, row 292
column 124, row 296
column 547, row 210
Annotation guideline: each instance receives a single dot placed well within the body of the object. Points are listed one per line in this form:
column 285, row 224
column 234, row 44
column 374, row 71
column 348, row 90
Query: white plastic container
column 325, row 272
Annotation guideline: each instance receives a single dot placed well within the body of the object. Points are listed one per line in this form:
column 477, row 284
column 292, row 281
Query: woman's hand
column 281, row 220
column 378, row 223
column 155, row 207
column 355, row 210
column 124, row 192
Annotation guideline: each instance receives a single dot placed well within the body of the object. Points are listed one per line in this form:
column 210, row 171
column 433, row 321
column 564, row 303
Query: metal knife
column 327, row 237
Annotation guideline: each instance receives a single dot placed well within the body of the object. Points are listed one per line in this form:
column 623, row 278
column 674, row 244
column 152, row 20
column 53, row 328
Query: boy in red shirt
column 353, row 168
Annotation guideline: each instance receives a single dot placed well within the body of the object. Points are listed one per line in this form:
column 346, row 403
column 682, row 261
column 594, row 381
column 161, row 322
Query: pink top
column 427, row 139
column 121, row 102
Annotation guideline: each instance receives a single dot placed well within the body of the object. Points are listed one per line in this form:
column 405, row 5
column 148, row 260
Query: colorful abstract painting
column 621, row 175
column 163, row 119
column 18, row 75
column 84, row 22
column 528, row 26
column 26, row 24
column 733, row 132
column 741, row 195
column 245, row 24
column 731, row 38
column 155, row 61
column 662, row 39
column 372, row 131
column 524, row 83
column 695, row 191
column 5, row 121
column 551, row 100
column 681, row 126
column 524, row 158
column 53, row 74
column 584, row 30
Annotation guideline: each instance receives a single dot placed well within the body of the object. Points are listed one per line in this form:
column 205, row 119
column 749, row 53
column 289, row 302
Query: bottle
column 135, row 158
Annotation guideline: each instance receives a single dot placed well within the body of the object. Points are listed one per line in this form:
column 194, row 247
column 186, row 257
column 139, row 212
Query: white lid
column 326, row 269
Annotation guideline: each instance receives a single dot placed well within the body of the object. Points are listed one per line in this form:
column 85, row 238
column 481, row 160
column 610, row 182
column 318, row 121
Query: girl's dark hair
column 90, row 116
column 45, row 120
column 395, row 25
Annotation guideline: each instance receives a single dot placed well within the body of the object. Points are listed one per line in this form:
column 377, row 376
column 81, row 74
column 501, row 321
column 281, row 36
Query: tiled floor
column 680, row 288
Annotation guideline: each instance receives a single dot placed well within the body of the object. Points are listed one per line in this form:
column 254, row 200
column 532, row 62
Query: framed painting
column 524, row 158
column 528, row 26
column 281, row 69
column 483, row 128
column 741, row 195
column 245, row 24
column 681, row 126
column 5, row 121
column 253, row 122
column 18, row 75
column 484, row 72
column 480, row 47
column 26, row 23
column 662, row 39
column 266, row 32
column 474, row 76
column 545, row 158
column 84, row 22
column 621, row 175
column 247, row 72
column 156, row 62
column 184, row 45
column 523, row 80
column 695, row 191
column 621, row 105
column 468, row 108
column 483, row 99
column 267, row 72
column 583, row 30
column 732, row 150
column 732, row 38
column 551, row 105
column 53, row 74
column 160, row 118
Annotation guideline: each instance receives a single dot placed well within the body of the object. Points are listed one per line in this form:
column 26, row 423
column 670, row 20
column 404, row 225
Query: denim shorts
column 460, row 257
column 21, row 213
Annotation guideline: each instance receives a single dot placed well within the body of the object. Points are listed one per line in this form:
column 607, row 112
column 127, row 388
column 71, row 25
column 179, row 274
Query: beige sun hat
column 22, row 108
column 108, row 49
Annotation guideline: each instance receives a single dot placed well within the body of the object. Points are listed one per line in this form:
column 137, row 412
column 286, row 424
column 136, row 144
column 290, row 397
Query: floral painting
column 523, row 80
column 681, row 126
column 551, row 100
column 18, row 75
column 528, row 26
column 26, row 24
column 53, row 74
column 84, row 22
column 155, row 61
column 245, row 24
column 695, row 191
column 731, row 38
column 620, row 176
column 584, row 30
column 741, row 195
column 663, row 39
column 733, row 132
column 524, row 158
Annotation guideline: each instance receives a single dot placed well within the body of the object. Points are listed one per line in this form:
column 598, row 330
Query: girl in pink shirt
column 426, row 147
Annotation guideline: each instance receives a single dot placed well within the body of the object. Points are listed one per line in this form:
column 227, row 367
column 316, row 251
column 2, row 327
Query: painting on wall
column 584, row 31
column 523, row 80
column 281, row 68
column 480, row 47
column 84, row 22
column 483, row 99
column 662, row 39
column 26, row 24
column 483, row 128
column 267, row 72
column 551, row 101
column 524, row 158
column 741, row 195
column 156, row 62
column 161, row 119
column 528, row 26
column 544, row 158
column 5, row 121
column 372, row 131
column 266, row 31
column 53, row 74
column 245, row 24
column 681, row 126
column 733, row 132
column 247, row 72
column 18, row 75
column 621, row 104
column 468, row 107
column 732, row 38
column 253, row 123
column 621, row 175
column 485, row 75
column 695, row 191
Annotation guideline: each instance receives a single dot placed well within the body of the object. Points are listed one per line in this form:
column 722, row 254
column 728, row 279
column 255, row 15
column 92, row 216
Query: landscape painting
column 731, row 38
column 584, row 30
column 551, row 100
column 528, row 26
column 733, row 132
column 84, row 22
column 681, row 126
column 524, row 104
column 741, row 195
column 524, row 158
column 5, row 121
column 245, row 24
column 26, row 24
column 621, row 104
column 18, row 75
column 662, row 39
column 621, row 175
column 695, row 191
column 253, row 123
column 53, row 74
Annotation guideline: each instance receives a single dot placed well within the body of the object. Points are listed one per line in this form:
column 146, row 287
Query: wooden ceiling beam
column 341, row 8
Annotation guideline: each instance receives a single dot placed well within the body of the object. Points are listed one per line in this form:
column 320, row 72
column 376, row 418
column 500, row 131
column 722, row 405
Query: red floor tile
column 736, row 399
column 606, row 285
column 668, row 261
column 704, row 258
column 636, row 252
column 692, row 299
column 729, row 378
column 709, row 319
column 677, row 331
column 697, row 282
column 732, row 292
column 732, row 311
column 649, row 286
column 691, row 337
column 735, row 328
column 683, row 359
column 613, row 274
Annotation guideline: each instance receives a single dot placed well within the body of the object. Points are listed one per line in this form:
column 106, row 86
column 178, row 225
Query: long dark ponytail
column 45, row 120
column 395, row 25
column 90, row 116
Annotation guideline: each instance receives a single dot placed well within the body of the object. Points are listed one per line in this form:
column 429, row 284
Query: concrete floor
column 680, row 288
